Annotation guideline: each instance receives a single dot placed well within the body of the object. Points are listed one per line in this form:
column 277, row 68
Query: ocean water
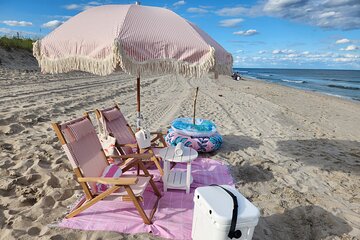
column 340, row 83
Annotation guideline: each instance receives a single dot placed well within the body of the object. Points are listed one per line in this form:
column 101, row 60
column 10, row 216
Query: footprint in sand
column 47, row 202
column 67, row 193
column 57, row 237
column 53, row 182
column 29, row 105
column 33, row 231
column 14, row 128
column 7, row 146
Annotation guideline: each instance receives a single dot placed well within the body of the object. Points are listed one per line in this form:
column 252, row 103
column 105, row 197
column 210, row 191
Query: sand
column 294, row 154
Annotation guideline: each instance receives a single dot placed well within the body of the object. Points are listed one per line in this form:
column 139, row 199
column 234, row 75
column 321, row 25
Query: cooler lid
column 221, row 204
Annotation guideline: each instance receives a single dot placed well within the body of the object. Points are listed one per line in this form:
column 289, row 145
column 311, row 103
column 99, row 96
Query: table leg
column 188, row 176
column 166, row 173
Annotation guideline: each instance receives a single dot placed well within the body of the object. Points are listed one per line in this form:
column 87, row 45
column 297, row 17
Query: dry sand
column 294, row 154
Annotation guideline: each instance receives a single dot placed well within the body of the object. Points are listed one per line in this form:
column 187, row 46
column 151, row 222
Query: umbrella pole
column 138, row 120
column 196, row 93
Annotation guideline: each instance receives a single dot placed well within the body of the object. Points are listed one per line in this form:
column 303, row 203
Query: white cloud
column 350, row 48
column 343, row 60
column 333, row 14
column 249, row 32
column 351, row 55
column 197, row 10
column 205, row 6
column 341, row 41
column 17, row 23
column 293, row 55
column 72, row 6
column 52, row 24
column 179, row 3
column 231, row 12
column 276, row 51
column 292, row 58
column 262, row 52
column 284, row 51
column 82, row 6
column 230, row 22
column 65, row 17
column 325, row 13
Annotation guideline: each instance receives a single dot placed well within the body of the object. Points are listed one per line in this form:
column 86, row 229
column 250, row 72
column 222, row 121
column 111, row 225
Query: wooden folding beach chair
column 113, row 122
column 97, row 178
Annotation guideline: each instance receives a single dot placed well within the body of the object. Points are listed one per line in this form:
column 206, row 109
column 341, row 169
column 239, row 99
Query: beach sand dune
column 294, row 154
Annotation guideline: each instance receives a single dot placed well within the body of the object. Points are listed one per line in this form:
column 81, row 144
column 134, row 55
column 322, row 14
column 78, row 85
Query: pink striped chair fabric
column 112, row 171
column 85, row 148
column 116, row 124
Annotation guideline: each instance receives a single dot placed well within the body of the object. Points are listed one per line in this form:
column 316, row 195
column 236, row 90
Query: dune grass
column 14, row 42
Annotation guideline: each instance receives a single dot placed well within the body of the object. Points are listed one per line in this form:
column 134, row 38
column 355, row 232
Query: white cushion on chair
column 138, row 188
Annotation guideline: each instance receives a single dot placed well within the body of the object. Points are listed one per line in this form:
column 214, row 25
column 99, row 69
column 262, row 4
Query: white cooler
column 213, row 214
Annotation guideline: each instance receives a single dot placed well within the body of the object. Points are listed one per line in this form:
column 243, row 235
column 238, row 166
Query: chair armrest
column 105, row 180
column 159, row 136
column 132, row 145
column 161, row 132
column 135, row 155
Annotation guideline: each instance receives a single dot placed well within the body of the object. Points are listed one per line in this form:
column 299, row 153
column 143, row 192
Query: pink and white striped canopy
column 135, row 39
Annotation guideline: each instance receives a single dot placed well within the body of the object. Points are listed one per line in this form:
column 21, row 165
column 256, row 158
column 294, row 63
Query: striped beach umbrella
column 139, row 40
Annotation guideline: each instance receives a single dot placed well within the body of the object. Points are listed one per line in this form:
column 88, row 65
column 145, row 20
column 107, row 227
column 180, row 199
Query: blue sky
column 264, row 33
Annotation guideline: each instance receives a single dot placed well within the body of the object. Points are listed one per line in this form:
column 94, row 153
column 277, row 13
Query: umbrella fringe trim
column 119, row 59
column 100, row 67
column 165, row 66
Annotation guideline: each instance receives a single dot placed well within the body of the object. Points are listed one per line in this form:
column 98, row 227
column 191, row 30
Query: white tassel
column 119, row 58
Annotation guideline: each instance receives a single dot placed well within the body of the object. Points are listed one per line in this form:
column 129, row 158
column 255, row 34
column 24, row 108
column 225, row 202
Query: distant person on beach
column 236, row 76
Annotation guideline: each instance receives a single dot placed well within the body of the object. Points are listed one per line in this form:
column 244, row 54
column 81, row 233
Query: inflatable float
column 201, row 136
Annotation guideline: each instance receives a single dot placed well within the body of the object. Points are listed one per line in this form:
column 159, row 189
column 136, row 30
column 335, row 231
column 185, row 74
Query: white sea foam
column 293, row 81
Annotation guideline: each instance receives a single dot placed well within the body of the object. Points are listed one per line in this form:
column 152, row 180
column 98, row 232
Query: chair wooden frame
column 126, row 182
column 159, row 136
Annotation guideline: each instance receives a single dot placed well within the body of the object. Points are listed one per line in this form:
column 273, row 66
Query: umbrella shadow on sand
column 303, row 222
column 251, row 173
column 238, row 142
column 331, row 155
column 233, row 143
column 245, row 173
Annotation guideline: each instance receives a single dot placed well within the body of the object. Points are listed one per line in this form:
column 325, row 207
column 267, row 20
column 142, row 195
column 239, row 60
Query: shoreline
column 302, row 89
column 339, row 83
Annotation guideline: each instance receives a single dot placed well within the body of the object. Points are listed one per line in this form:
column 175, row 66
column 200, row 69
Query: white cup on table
column 179, row 149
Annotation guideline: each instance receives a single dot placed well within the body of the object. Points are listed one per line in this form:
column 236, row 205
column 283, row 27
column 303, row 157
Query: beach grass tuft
column 16, row 43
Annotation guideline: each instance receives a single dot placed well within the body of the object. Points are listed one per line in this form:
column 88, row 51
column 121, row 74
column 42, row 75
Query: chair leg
column 137, row 205
column 153, row 185
column 157, row 163
column 154, row 208
column 88, row 204
column 154, row 159
column 162, row 140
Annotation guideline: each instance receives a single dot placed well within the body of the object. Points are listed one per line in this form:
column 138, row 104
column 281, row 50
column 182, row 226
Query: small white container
column 213, row 213
column 143, row 138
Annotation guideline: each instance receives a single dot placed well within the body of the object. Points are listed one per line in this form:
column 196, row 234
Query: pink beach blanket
column 173, row 218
